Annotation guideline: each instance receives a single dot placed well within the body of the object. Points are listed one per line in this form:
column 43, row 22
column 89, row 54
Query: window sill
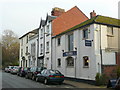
column 70, row 66
column 47, row 52
column 41, row 53
column 85, row 66
column 110, row 35
column 84, row 38
column 47, row 34
column 41, row 37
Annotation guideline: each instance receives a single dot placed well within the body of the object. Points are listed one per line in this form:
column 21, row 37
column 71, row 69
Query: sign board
column 88, row 43
column 71, row 53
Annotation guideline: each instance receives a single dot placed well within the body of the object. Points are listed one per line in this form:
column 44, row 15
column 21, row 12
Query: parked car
column 14, row 70
column 49, row 75
column 114, row 83
column 22, row 71
column 117, row 86
column 8, row 69
column 32, row 73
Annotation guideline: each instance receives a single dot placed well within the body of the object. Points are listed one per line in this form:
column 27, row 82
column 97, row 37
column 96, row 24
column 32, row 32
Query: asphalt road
column 14, row 81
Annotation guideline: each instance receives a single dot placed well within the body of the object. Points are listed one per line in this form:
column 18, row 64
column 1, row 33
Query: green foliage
column 101, row 79
column 118, row 71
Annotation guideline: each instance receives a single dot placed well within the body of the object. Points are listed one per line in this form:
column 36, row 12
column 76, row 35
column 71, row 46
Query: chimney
column 92, row 14
column 57, row 11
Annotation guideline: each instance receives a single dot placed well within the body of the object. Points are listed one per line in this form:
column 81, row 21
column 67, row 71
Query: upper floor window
column 41, row 32
column 22, row 42
column 26, row 50
column 86, row 61
column 110, row 30
column 70, row 42
column 85, row 34
column 21, row 52
column 41, row 48
column 27, row 39
column 47, row 46
column 47, row 31
column 59, row 41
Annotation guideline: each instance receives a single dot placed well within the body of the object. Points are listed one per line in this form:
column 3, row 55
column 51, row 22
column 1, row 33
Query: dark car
column 117, row 86
column 49, row 75
column 111, row 83
column 32, row 73
column 22, row 71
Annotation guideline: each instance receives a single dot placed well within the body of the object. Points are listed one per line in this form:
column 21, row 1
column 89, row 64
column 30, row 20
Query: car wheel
column 46, row 81
column 20, row 75
column 36, row 79
column 33, row 77
column 26, row 76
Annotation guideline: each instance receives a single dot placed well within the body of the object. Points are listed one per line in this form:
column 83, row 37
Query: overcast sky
column 22, row 16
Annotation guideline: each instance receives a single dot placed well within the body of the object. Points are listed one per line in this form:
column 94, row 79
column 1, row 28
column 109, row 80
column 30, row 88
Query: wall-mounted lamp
column 62, row 50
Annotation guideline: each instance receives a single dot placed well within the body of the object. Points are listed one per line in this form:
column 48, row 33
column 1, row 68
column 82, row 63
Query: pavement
column 80, row 84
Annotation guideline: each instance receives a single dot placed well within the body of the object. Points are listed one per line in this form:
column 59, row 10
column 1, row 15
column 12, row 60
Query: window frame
column 68, row 62
column 59, row 62
column 85, row 33
column 70, row 42
column 86, row 61
column 59, row 41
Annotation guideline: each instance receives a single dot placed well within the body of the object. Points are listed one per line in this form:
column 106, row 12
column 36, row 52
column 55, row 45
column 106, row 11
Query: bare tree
column 10, row 48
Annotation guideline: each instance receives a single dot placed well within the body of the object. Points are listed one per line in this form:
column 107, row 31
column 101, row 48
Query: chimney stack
column 57, row 11
column 92, row 14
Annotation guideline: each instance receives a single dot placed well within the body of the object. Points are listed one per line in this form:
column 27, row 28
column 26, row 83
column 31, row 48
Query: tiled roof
column 68, row 20
column 99, row 20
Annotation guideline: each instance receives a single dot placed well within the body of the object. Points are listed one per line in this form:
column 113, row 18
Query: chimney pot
column 92, row 14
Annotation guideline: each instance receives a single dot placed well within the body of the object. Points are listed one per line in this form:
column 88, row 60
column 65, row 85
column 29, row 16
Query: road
column 14, row 81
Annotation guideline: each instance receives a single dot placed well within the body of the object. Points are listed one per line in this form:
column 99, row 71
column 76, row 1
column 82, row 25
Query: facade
column 24, row 49
column 33, row 50
column 87, row 49
column 45, row 33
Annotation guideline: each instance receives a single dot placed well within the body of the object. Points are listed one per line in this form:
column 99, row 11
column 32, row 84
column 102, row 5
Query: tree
column 10, row 48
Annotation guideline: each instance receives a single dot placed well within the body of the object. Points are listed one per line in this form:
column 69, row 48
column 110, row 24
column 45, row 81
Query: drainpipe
column 101, row 52
column 38, row 48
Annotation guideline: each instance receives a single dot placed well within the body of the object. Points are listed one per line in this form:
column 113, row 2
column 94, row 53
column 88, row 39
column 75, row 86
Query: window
column 41, row 32
column 22, row 42
column 47, row 46
column 59, row 41
column 86, row 61
column 47, row 29
column 110, row 30
column 26, row 50
column 85, row 34
column 70, row 61
column 70, row 42
column 27, row 40
column 41, row 45
column 59, row 62
column 21, row 52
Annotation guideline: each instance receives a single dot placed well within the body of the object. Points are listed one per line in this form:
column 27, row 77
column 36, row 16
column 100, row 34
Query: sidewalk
column 80, row 84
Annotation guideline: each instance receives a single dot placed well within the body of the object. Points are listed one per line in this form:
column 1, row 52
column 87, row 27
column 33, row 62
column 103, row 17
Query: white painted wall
column 82, row 50
column 32, row 40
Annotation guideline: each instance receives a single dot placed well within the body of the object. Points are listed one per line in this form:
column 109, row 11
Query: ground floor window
column 86, row 61
column 70, row 61
column 59, row 62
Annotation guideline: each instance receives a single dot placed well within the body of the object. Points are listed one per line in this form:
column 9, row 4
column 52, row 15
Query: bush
column 101, row 79
column 118, row 72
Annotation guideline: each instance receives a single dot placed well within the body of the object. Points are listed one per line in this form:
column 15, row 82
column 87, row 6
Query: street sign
column 88, row 43
column 71, row 53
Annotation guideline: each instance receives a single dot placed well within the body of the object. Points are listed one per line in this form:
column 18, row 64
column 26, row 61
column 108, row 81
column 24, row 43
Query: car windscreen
column 54, row 72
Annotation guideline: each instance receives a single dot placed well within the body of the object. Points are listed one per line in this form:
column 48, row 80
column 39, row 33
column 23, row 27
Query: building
column 24, row 49
column 87, row 48
column 45, row 32
column 33, row 49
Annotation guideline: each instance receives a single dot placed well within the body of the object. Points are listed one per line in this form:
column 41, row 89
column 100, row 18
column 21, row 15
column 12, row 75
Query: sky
column 22, row 16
